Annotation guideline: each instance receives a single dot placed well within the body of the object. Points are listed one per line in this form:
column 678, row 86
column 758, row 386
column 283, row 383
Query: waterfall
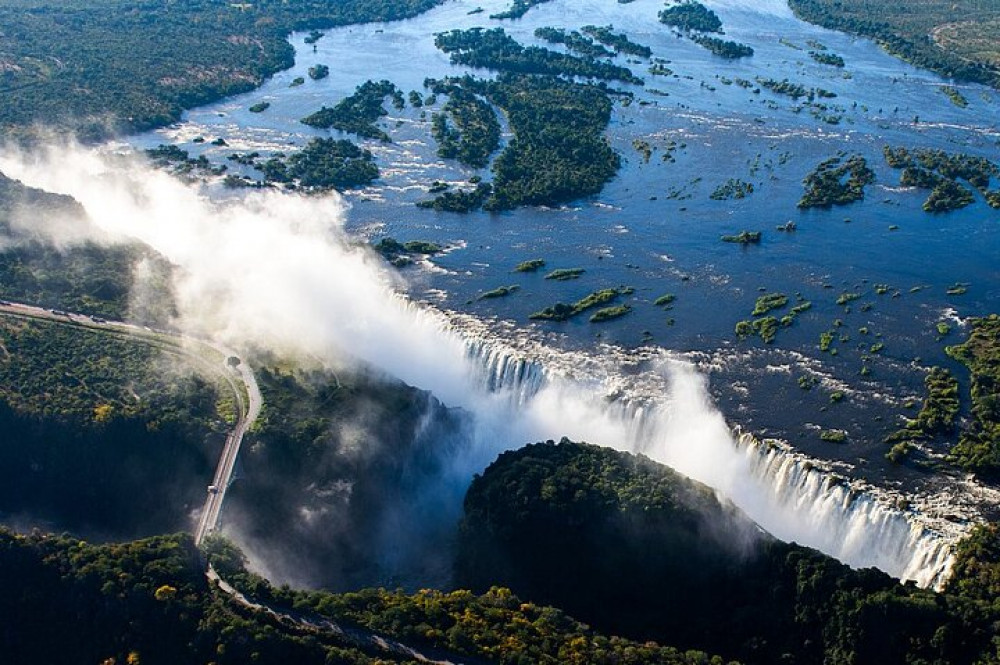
column 794, row 497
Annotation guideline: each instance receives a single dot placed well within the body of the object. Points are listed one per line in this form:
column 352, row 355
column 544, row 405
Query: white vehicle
column 213, row 489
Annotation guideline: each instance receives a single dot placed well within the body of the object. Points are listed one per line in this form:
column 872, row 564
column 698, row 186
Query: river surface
column 655, row 228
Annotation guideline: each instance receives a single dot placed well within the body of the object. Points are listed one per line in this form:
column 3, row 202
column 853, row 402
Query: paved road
column 240, row 378
column 248, row 409
column 231, row 368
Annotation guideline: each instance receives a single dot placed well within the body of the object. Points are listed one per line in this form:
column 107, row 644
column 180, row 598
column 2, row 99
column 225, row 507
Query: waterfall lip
column 922, row 526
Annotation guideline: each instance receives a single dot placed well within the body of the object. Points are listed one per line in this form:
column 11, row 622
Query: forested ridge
column 149, row 601
column 914, row 32
column 105, row 66
column 635, row 549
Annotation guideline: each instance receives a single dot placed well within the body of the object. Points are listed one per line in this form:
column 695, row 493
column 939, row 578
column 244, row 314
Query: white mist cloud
column 265, row 268
column 275, row 270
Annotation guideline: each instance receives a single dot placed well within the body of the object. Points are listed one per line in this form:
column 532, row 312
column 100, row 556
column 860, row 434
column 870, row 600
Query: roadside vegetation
column 104, row 433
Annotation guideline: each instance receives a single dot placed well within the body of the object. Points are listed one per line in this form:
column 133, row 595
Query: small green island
column 837, row 181
column 944, row 173
column 317, row 72
column 744, row 238
column 564, row 312
column 358, row 113
column 531, row 265
column 565, row 274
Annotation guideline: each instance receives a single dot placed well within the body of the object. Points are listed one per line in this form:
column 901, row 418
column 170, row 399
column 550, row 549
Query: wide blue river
column 655, row 227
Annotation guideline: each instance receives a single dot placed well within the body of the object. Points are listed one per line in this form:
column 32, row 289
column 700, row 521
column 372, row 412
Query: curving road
column 232, row 369
column 240, row 378
column 248, row 409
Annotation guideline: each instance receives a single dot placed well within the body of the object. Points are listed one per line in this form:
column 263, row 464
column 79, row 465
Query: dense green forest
column 836, row 181
column 616, row 40
column 574, row 41
column 924, row 33
column 65, row 601
column 664, row 559
column 558, row 153
column 691, row 15
column 102, row 433
column 474, row 132
column 943, row 174
column 100, row 66
column 358, row 112
column 978, row 448
column 321, row 165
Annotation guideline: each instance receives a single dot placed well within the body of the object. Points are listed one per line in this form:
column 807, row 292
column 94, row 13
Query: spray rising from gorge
column 276, row 271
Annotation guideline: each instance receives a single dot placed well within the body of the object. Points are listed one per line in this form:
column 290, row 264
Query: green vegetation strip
column 929, row 35
column 978, row 447
column 563, row 312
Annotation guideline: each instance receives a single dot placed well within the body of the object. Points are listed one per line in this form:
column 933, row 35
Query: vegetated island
column 978, row 447
column 574, row 41
column 495, row 49
column 565, row 274
column 500, row 292
column 734, row 188
column 358, row 112
column 517, row 9
column 825, row 58
column 559, row 152
column 616, row 40
column 321, row 165
column 695, row 19
column 563, row 312
column 473, row 133
column 743, row 238
column 531, row 265
column 318, row 72
column 401, row 254
column 766, row 326
column 936, row 418
column 940, row 172
column 691, row 15
column 837, row 181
